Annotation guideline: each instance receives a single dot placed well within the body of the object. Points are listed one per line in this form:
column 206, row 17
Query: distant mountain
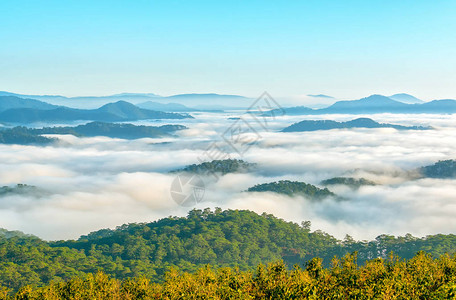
column 348, row 181
column 406, row 98
column 320, row 96
column 12, row 102
column 439, row 106
column 212, row 101
column 380, row 104
column 292, row 188
column 112, row 112
column 139, row 95
column 127, row 111
column 290, row 111
column 36, row 97
column 442, row 169
column 87, row 102
column 168, row 107
column 313, row 125
column 371, row 104
column 211, row 96
column 206, row 101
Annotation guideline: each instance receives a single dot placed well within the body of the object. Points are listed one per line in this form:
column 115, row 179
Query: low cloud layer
column 96, row 183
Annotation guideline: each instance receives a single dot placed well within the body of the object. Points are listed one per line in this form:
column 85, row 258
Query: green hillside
column 231, row 238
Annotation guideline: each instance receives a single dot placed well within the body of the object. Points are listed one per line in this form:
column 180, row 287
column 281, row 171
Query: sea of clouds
column 94, row 183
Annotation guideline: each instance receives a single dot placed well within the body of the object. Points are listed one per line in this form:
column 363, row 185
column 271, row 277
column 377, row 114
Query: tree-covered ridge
column 441, row 169
column 25, row 136
column 22, row 136
column 421, row 277
column 114, row 130
column 219, row 166
column 6, row 234
column 313, row 125
column 222, row 238
column 291, row 188
column 348, row 181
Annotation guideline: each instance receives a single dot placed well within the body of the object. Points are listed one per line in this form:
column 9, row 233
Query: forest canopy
column 237, row 239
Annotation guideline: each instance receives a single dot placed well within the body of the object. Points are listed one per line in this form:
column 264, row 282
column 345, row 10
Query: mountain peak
column 320, row 96
column 118, row 104
column 377, row 98
column 406, row 98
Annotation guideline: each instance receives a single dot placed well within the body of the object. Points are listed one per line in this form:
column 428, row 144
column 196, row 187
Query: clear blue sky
column 342, row 48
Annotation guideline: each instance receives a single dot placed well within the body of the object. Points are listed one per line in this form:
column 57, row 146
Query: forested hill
column 441, row 169
column 230, row 238
column 223, row 167
column 292, row 188
column 348, row 181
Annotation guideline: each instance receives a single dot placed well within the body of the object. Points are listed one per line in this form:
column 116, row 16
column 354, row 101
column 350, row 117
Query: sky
column 346, row 49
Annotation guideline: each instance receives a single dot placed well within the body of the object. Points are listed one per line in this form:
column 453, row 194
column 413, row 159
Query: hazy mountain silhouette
column 320, row 96
column 378, row 104
column 112, row 112
column 11, row 102
column 406, row 98
column 173, row 107
column 209, row 101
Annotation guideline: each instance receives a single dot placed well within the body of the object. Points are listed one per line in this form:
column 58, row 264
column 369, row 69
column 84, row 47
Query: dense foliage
column 231, row 238
column 219, row 166
column 348, row 181
column 7, row 234
column 441, row 169
column 22, row 136
column 421, row 277
column 291, row 188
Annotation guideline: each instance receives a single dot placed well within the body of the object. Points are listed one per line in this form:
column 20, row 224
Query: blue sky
column 346, row 49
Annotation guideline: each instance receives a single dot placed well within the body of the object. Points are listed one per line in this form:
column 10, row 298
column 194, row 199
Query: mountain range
column 208, row 101
column 174, row 107
column 18, row 110
column 13, row 102
column 314, row 125
column 71, row 107
column 378, row 104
